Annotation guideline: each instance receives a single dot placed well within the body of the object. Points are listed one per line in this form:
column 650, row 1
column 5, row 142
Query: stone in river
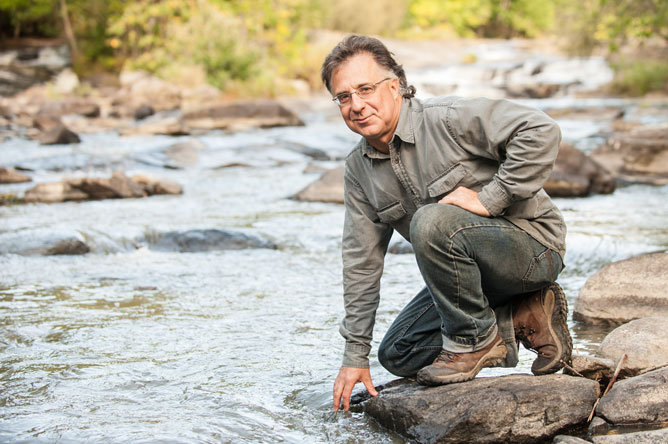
column 639, row 400
column 645, row 437
column 575, row 174
column 591, row 367
column 644, row 341
column 10, row 175
column 515, row 408
column 59, row 135
column 328, row 188
column 205, row 240
column 257, row 113
column 625, row 290
column 43, row 243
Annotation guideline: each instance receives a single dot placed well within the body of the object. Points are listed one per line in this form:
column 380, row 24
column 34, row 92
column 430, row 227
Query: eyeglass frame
column 337, row 99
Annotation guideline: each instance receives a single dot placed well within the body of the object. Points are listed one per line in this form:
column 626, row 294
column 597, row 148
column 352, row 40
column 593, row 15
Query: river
column 134, row 345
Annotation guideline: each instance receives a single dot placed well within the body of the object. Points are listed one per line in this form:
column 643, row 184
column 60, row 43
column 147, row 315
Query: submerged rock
column 328, row 188
column 644, row 341
column 516, row 408
column 645, row 437
column 639, row 400
column 10, row 175
column 576, row 175
column 59, row 135
column 640, row 155
column 43, row 243
column 625, row 290
column 204, row 240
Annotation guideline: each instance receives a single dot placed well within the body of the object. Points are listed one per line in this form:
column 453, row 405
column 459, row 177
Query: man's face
column 375, row 117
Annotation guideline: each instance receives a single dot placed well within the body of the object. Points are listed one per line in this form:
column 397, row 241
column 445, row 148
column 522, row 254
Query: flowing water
column 129, row 344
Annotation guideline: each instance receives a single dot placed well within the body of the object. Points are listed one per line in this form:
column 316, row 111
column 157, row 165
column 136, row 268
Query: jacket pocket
column 447, row 181
column 391, row 212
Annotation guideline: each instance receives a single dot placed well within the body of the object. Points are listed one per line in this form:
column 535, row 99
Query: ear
column 394, row 87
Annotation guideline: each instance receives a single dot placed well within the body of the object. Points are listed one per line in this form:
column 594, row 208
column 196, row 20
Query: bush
column 639, row 77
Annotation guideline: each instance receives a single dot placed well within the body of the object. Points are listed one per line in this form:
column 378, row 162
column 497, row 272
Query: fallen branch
column 607, row 389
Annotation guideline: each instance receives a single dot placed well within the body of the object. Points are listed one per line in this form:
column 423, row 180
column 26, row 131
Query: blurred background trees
column 254, row 47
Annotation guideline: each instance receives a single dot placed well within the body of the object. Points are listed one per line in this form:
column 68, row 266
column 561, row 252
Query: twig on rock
column 572, row 369
column 607, row 389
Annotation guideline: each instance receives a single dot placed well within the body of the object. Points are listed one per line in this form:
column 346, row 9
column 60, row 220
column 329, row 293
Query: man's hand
column 467, row 199
column 344, row 383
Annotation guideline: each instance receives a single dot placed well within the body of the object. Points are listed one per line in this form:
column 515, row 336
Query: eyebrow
column 356, row 87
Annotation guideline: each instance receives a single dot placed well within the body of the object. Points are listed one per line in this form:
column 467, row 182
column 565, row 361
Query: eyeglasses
column 363, row 91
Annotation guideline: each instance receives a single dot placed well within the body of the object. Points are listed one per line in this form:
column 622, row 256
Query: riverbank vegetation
column 260, row 47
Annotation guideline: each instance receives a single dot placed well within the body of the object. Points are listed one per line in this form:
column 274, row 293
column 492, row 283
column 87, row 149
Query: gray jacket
column 501, row 149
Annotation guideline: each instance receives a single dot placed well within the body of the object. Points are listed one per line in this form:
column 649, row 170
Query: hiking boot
column 540, row 325
column 451, row 367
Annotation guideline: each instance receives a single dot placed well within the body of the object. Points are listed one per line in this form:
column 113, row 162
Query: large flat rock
column 515, row 408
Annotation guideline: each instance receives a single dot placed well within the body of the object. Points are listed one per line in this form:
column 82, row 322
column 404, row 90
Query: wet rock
column 259, row 113
column 575, row 175
column 639, row 400
column 82, row 107
column 328, row 188
column 43, row 243
column 645, row 437
column 95, row 188
column 516, row 408
column 597, row 114
column 644, row 341
column 10, row 175
column 625, row 290
column 143, row 111
column 205, row 240
column 594, row 368
column 46, row 122
column 59, row 135
column 22, row 68
column 640, row 155
column 402, row 246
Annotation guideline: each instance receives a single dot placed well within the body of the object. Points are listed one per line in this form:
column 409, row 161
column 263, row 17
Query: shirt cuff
column 356, row 355
column 494, row 198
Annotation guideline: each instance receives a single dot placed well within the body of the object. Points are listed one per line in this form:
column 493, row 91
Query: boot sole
column 485, row 361
column 558, row 328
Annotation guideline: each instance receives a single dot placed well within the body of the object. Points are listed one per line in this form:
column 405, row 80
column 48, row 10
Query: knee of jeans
column 422, row 226
column 436, row 220
column 389, row 361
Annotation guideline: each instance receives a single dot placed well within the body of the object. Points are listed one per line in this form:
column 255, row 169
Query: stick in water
column 607, row 389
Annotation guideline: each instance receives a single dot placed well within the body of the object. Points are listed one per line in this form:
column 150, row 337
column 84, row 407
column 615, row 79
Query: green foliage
column 638, row 77
column 36, row 16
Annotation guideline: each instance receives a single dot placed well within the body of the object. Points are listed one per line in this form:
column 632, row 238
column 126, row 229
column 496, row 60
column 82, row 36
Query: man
column 461, row 179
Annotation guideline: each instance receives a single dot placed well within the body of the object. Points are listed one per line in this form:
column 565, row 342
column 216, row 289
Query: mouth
column 362, row 120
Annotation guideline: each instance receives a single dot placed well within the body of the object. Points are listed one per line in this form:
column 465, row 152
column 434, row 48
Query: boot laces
column 446, row 356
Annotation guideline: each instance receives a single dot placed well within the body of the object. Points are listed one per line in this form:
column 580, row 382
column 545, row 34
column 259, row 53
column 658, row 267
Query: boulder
column 515, row 408
column 82, row 107
column 59, row 135
column 402, row 246
column 141, row 87
column 204, row 240
column 10, row 175
column 565, row 439
column 640, row 155
column 575, row 175
column 625, row 290
column 644, row 341
column 639, row 400
column 95, row 188
column 258, row 113
column 168, row 126
column 43, row 243
column 328, row 188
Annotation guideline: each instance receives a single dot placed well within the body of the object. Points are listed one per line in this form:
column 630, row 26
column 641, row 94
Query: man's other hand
column 346, row 380
column 467, row 199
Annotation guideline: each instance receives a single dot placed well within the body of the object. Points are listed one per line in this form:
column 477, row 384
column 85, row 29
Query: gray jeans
column 473, row 268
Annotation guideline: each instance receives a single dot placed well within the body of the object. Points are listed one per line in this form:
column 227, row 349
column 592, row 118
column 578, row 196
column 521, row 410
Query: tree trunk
column 68, row 29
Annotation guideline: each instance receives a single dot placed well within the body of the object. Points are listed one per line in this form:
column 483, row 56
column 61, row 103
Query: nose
column 356, row 103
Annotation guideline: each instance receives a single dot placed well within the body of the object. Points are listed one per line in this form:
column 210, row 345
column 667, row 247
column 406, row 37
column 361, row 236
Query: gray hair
column 355, row 44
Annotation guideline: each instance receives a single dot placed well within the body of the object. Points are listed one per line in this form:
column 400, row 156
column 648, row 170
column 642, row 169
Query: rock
column 59, row 135
column 515, row 408
column 328, row 188
column 143, row 111
column 533, row 90
column 10, row 175
column 169, row 126
column 640, row 155
column 639, row 400
column 82, row 107
column 22, row 68
column 402, row 246
column 95, row 188
column 596, row 369
column 43, row 243
column 204, row 240
column 185, row 153
column 646, row 437
column 597, row 113
column 259, row 113
column 565, row 439
column 162, row 96
column 66, row 81
column 644, row 341
column 46, row 122
column 575, row 175
column 625, row 290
